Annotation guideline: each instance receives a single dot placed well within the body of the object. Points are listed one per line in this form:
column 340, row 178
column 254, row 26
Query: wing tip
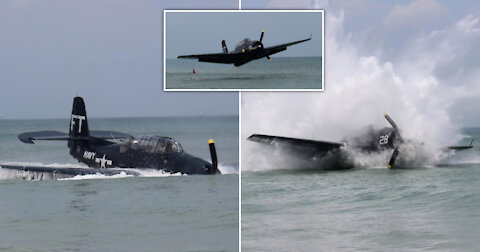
column 25, row 138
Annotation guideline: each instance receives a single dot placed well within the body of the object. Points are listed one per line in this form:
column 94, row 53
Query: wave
column 142, row 172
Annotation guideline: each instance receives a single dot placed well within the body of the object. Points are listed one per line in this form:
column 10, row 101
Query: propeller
column 213, row 155
column 398, row 136
column 393, row 157
column 261, row 38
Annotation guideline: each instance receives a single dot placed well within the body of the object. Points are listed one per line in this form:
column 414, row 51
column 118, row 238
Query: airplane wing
column 278, row 48
column 299, row 146
column 68, row 171
column 29, row 137
column 225, row 58
column 461, row 147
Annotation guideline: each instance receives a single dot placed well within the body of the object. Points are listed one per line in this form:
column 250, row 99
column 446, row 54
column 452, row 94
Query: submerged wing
column 68, row 171
column 29, row 137
column 299, row 146
column 278, row 48
column 226, row 58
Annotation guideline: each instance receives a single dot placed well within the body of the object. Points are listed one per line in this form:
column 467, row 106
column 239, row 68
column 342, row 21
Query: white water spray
column 361, row 86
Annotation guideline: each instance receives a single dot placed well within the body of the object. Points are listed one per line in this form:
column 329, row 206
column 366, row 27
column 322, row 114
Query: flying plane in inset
column 102, row 150
column 333, row 154
column 246, row 51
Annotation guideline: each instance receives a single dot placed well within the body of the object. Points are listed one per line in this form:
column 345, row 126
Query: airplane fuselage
column 330, row 155
column 249, row 52
column 151, row 152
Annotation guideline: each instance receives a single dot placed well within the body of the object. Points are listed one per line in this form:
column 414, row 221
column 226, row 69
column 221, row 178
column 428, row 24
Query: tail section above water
column 78, row 120
column 78, row 130
column 224, row 47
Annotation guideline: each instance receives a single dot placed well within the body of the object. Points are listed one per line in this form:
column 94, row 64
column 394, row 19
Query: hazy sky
column 194, row 33
column 108, row 51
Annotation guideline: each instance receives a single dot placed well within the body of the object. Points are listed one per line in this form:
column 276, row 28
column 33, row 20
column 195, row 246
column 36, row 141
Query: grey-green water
column 280, row 73
column 374, row 209
column 96, row 213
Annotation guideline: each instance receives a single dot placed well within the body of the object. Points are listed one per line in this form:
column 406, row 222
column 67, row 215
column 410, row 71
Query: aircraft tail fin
column 224, row 47
column 78, row 120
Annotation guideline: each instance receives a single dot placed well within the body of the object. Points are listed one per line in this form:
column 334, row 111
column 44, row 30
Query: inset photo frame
column 243, row 50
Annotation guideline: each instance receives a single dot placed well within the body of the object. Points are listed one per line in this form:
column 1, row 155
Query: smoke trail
column 418, row 86
column 242, row 45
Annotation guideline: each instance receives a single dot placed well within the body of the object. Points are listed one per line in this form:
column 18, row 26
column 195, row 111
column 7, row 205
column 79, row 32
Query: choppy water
column 371, row 209
column 156, row 212
column 280, row 73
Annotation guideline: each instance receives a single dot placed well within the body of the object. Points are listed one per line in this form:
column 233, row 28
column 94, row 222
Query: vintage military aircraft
column 372, row 141
column 109, row 149
column 246, row 51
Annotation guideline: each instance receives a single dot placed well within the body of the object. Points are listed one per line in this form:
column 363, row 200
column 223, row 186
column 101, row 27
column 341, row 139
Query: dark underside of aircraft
column 246, row 51
column 332, row 155
column 106, row 152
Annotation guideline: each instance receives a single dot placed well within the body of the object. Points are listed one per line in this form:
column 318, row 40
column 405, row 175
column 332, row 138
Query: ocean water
column 280, row 73
column 153, row 212
column 434, row 207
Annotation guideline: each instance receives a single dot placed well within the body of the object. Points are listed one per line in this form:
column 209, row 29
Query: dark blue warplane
column 332, row 153
column 101, row 150
column 246, row 51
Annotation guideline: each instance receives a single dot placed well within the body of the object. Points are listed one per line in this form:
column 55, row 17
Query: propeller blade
column 394, row 125
column 268, row 57
column 393, row 158
column 261, row 36
column 213, row 155
column 400, row 140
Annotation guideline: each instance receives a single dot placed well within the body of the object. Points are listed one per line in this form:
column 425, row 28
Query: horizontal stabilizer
column 68, row 171
column 106, row 134
column 29, row 137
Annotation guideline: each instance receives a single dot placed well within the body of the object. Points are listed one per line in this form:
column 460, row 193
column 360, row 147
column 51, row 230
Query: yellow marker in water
column 389, row 166
column 211, row 141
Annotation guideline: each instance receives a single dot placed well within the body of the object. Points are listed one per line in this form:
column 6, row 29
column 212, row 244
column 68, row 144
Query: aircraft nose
column 208, row 168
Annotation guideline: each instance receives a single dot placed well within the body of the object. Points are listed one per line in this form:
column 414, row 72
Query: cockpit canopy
column 247, row 45
column 153, row 144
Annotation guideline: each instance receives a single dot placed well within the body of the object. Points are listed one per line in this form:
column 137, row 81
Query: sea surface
column 153, row 212
column 280, row 73
column 434, row 208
